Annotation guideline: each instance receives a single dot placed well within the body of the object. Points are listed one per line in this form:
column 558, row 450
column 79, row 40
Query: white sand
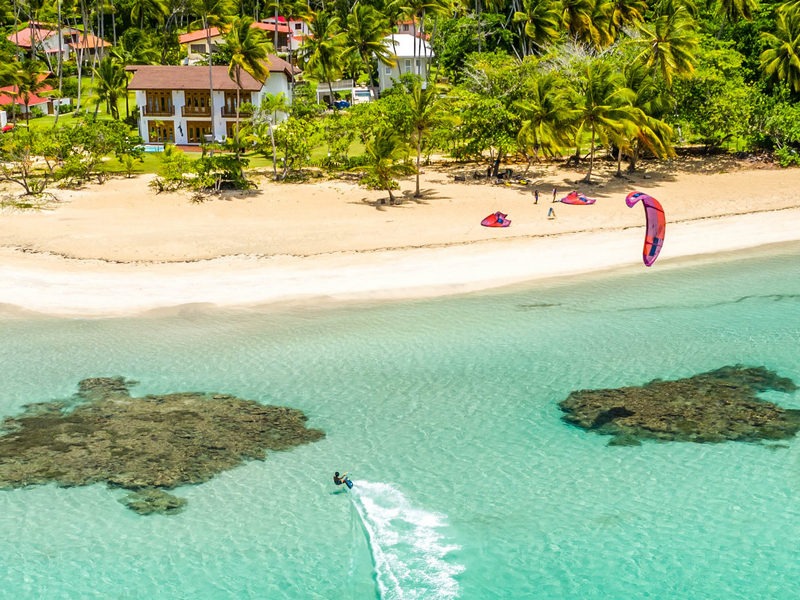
column 121, row 249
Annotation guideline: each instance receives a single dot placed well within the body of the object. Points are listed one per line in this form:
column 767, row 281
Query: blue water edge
column 445, row 413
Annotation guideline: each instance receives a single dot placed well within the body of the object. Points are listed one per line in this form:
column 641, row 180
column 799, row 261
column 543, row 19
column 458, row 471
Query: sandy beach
column 119, row 248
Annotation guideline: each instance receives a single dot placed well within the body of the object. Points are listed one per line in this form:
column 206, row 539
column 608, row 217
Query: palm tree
column 387, row 154
column 781, row 59
column 425, row 105
column 112, row 82
column 249, row 50
column 213, row 13
column 627, row 13
column 366, row 37
column 605, row 104
column 670, row 43
column 651, row 132
column 29, row 79
column 577, row 16
column 148, row 9
column 321, row 53
column 266, row 116
column 542, row 21
column 733, row 10
column 548, row 115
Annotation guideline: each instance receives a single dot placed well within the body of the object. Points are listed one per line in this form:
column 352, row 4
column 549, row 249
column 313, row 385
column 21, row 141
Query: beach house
column 175, row 102
column 412, row 54
column 195, row 43
column 51, row 41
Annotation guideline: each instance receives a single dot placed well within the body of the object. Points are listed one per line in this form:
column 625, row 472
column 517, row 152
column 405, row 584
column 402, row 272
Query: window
column 197, row 102
column 298, row 26
column 161, row 132
column 408, row 65
column 229, row 109
column 388, row 70
column 159, row 102
column 197, row 48
column 405, row 27
column 197, row 130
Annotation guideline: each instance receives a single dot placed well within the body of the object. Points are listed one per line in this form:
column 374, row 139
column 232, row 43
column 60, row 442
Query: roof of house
column 282, row 27
column 192, row 77
column 8, row 95
column 202, row 34
column 404, row 46
column 88, row 42
column 22, row 38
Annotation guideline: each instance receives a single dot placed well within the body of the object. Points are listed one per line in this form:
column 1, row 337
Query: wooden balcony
column 196, row 111
column 230, row 112
column 152, row 111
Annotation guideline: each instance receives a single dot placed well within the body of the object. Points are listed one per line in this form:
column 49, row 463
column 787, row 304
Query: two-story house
column 175, row 102
column 196, row 42
column 411, row 55
column 71, row 43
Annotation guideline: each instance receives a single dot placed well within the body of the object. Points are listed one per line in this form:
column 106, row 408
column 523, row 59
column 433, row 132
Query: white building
column 68, row 41
column 412, row 55
column 175, row 102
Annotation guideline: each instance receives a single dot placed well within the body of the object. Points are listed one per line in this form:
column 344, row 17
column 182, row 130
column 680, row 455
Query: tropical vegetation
column 509, row 80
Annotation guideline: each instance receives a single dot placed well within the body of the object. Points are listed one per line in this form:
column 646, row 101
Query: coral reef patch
column 146, row 444
column 717, row 406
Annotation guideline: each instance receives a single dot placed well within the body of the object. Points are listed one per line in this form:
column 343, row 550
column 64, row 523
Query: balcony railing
column 230, row 112
column 152, row 111
column 196, row 111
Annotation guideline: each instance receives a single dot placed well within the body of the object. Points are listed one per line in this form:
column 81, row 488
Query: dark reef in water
column 717, row 406
column 145, row 445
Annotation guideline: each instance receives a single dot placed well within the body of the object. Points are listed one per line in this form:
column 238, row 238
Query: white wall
column 277, row 83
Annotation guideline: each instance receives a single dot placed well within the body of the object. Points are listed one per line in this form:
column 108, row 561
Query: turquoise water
column 468, row 484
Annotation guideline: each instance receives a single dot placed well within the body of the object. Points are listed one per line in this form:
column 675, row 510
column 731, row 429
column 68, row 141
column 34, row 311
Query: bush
column 787, row 157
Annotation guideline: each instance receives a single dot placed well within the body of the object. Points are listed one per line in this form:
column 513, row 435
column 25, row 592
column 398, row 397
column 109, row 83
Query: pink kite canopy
column 497, row 219
column 575, row 197
column 656, row 225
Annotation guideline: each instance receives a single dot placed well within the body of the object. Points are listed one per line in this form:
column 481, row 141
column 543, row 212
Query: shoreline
column 54, row 286
column 119, row 249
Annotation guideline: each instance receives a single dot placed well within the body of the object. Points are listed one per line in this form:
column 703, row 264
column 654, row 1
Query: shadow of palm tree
column 425, row 196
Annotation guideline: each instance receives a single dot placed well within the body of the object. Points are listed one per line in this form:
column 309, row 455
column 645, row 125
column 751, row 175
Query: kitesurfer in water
column 339, row 479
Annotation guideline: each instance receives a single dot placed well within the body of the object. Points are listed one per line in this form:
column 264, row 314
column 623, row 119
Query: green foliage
column 82, row 148
column 220, row 172
column 293, row 142
column 304, row 102
column 19, row 153
column 338, row 133
column 387, row 156
column 716, row 104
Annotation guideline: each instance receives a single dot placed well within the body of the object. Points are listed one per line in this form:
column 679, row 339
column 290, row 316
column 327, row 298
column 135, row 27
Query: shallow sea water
column 467, row 482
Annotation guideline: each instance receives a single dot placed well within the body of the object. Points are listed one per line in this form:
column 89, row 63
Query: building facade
column 176, row 104
column 411, row 55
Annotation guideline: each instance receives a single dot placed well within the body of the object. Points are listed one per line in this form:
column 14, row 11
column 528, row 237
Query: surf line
column 406, row 543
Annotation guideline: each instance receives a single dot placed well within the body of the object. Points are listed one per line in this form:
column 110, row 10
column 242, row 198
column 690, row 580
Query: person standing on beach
column 536, row 196
column 555, row 191
column 551, row 214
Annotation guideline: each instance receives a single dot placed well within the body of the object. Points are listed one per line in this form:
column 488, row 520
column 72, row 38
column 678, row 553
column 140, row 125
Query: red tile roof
column 200, row 34
column 89, row 42
column 194, row 36
column 7, row 96
column 158, row 77
column 22, row 38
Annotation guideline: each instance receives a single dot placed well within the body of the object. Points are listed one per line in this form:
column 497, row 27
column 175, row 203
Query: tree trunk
column 588, row 178
column 417, row 193
column 274, row 152
column 210, row 79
